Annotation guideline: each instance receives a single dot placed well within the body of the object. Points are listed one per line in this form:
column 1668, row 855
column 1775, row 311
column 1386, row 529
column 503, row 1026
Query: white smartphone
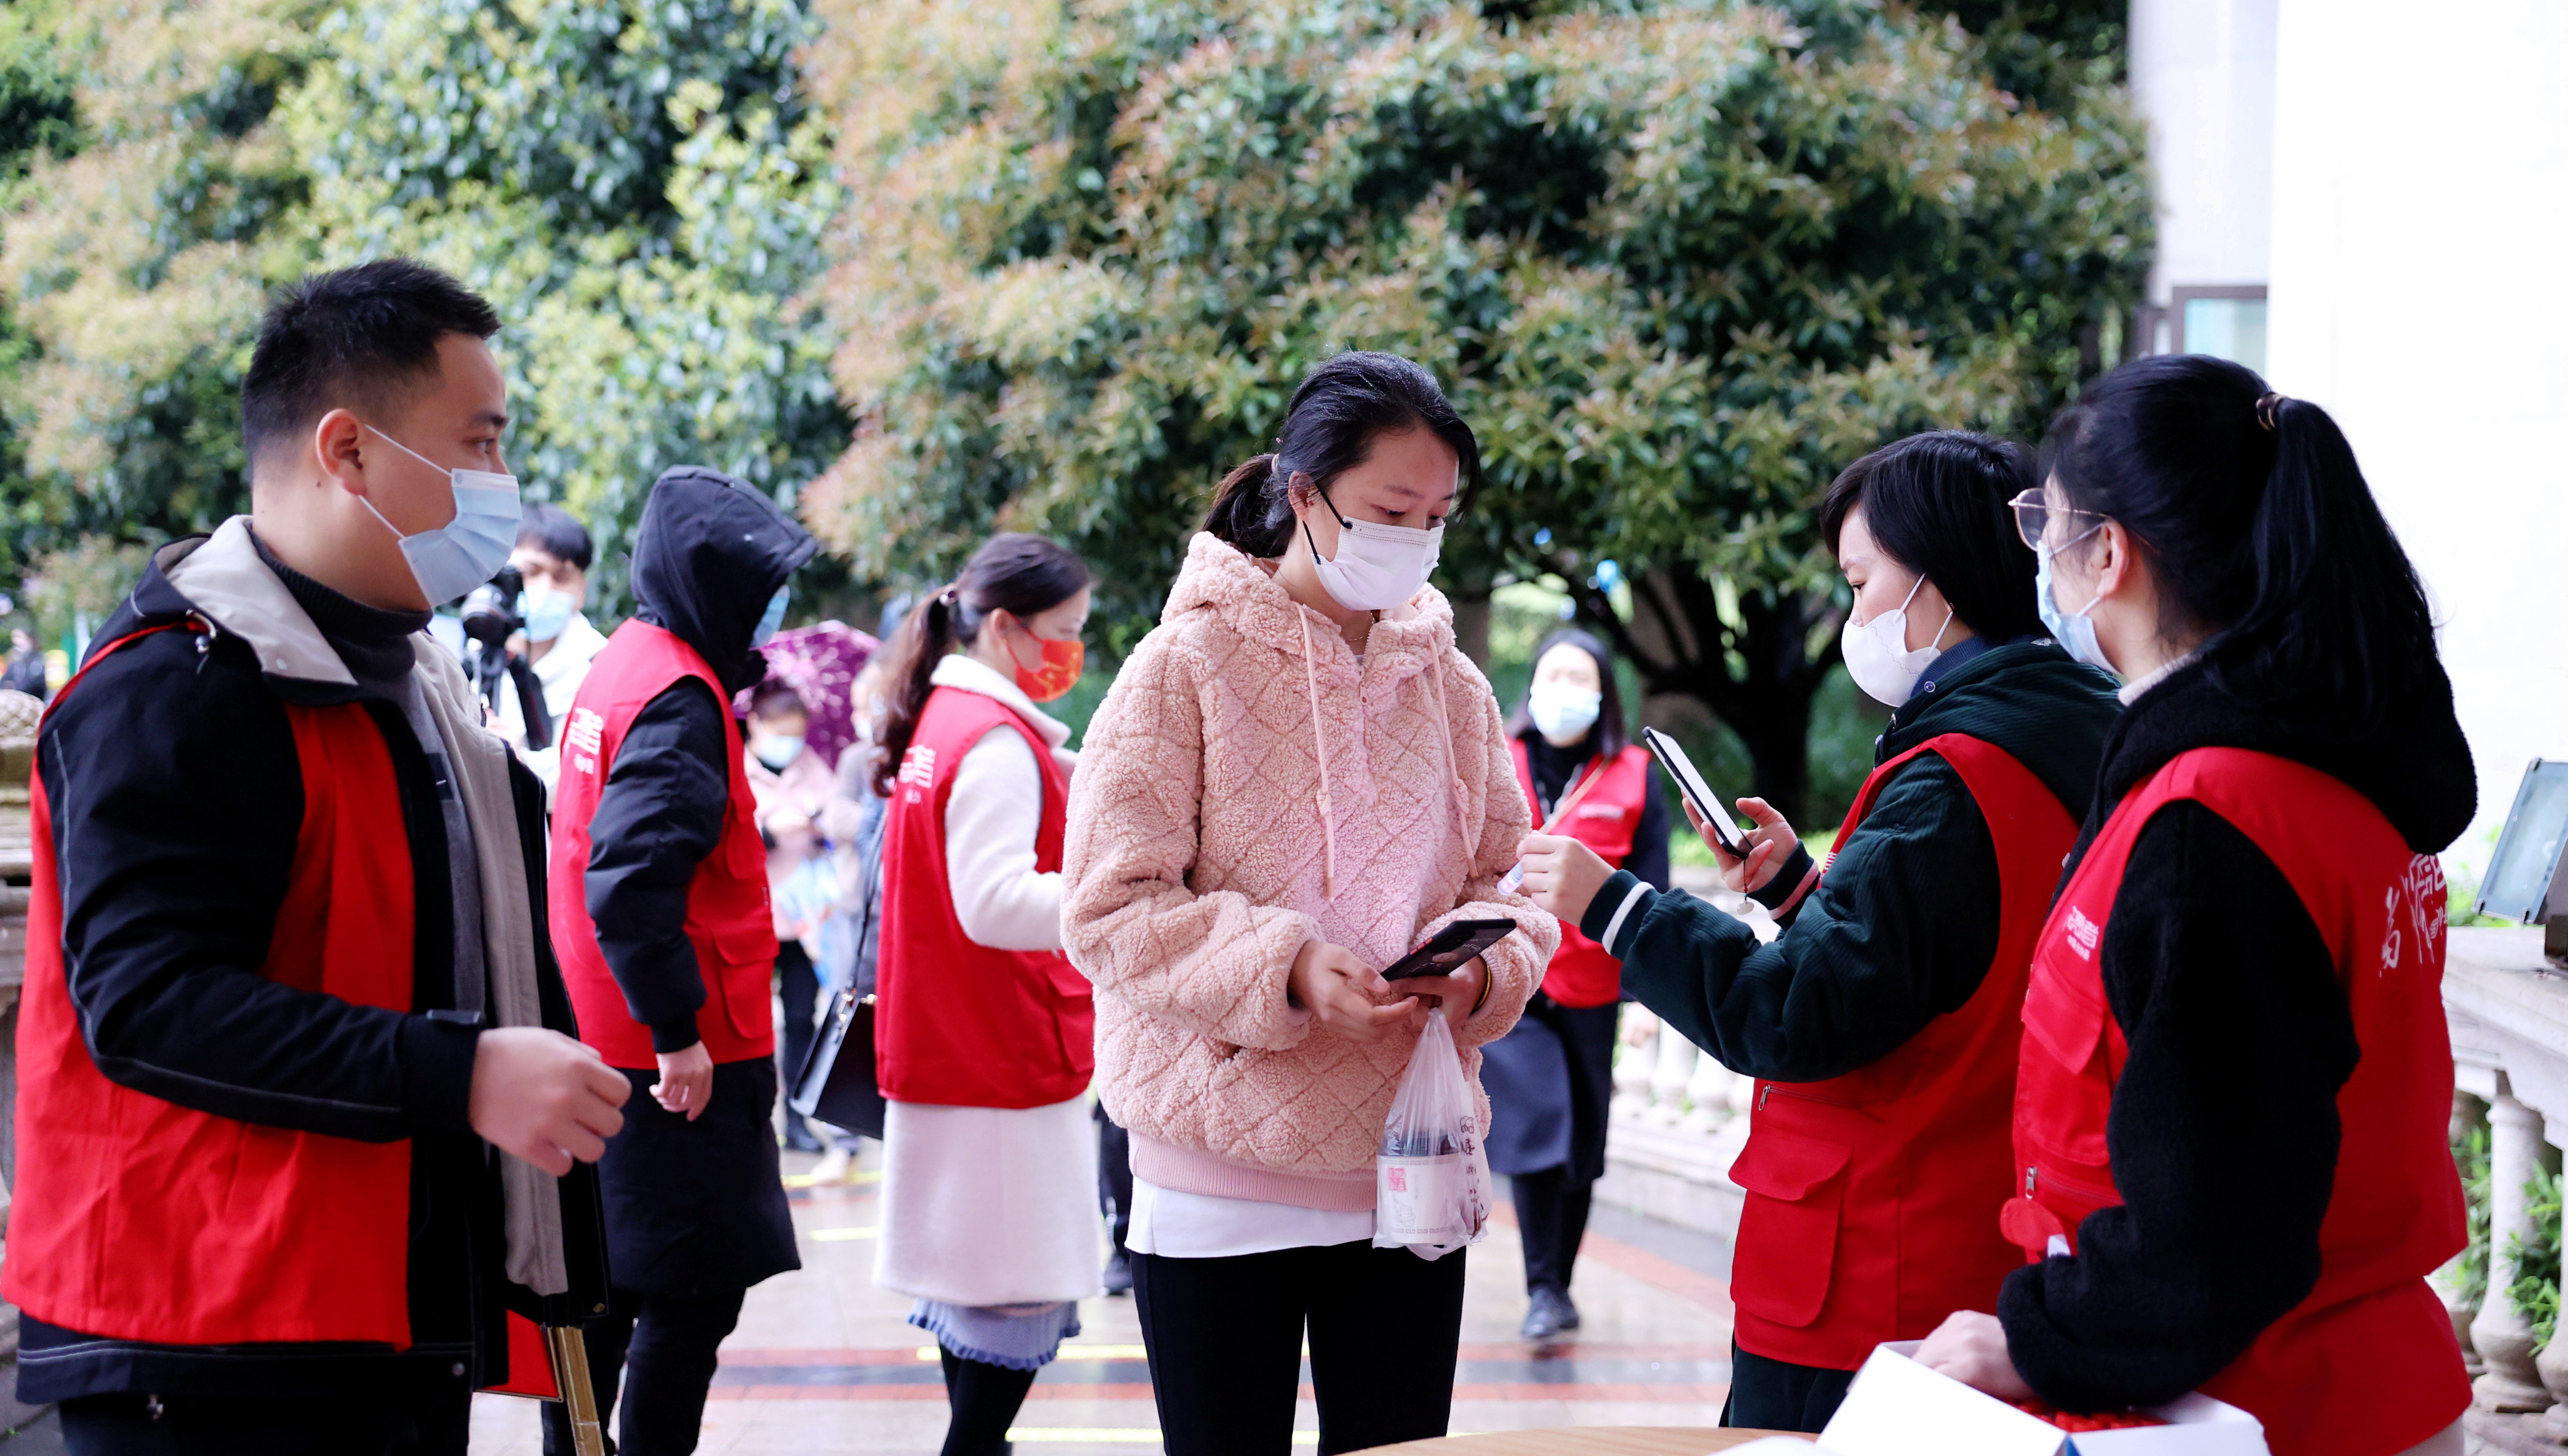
column 1672, row 757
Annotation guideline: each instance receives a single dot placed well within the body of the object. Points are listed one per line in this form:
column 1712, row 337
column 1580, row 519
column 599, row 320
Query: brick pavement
column 823, row 1361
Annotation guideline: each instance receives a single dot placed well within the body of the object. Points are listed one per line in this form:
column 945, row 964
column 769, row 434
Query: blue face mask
column 454, row 559
column 547, row 611
column 2075, row 632
column 773, row 619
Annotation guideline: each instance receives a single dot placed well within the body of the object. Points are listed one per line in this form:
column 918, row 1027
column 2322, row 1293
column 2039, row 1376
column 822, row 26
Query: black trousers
column 1551, row 1218
column 1224, row 1338
column 1114, row 1177
column 662, row 1346
column 798, row 987
column 206, row 1426
column 1778, row 1396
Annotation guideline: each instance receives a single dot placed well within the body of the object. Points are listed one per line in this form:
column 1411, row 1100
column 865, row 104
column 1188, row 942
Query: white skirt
column 990, row 1205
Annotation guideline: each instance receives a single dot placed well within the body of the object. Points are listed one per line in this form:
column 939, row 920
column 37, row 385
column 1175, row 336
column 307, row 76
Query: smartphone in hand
column 1451, row 949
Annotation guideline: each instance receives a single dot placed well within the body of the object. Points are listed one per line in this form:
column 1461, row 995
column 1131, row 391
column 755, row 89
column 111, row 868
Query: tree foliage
column 636, row 186
column 1678, row 262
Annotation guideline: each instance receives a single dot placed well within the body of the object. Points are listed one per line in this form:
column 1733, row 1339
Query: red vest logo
column 918, row 770
column 2417, row 910
column 2081, row 932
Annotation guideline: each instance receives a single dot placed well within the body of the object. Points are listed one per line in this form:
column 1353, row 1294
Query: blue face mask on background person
column 468, row 550
column 547, row 611
column 773, row 619
column 2075, row 632
column 777, row 750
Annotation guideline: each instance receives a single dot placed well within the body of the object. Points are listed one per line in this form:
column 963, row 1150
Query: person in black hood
column 669, row 944
column 1881, row 1023
column 2242, row 1182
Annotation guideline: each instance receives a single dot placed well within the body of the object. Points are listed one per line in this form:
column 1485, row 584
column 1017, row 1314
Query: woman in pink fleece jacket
column 1295, row 779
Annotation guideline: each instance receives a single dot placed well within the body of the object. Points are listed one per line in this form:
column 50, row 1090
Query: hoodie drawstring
column 1453, row 768
column 1319, row 746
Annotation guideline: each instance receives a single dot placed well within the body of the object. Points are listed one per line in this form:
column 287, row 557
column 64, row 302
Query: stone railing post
column 2502, row 1337
column 2466, row 1115
column 1668, row 1078
column 1638, row 1031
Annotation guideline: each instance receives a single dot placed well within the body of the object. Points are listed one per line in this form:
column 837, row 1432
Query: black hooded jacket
column 2223, row 1130
column 1903, row 928
column 707, row 557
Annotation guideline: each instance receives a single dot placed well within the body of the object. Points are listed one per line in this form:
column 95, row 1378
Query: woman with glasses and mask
column 1296, row 779
column 1551, row 1079
column 2231, row 1169
column 1880, row 1024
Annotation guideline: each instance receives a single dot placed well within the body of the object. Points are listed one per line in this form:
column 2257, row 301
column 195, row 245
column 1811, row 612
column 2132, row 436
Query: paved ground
column 824, row 1362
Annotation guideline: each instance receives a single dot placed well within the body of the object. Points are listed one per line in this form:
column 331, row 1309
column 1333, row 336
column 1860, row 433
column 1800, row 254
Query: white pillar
column 1668, row 1078
column 1638, row 1031
column 2502, row 1337
column 1708, row 1092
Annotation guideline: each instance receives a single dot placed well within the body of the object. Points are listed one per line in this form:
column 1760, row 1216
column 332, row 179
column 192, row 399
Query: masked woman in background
column 1551, row 1079
column 2233, row 1170
column 982, row 1029
column 1296, row 779
column 792, row 787
column 1880, row 1024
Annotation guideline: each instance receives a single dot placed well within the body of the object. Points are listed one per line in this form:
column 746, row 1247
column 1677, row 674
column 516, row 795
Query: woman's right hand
column 1338, row 991
column 1770, row 844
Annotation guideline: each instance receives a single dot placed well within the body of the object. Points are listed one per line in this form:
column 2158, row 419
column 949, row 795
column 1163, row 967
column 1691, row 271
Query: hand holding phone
column 1709, row 814
column 1451, row 948
column 1770, row 844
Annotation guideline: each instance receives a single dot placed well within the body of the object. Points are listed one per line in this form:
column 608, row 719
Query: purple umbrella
column 820, row 662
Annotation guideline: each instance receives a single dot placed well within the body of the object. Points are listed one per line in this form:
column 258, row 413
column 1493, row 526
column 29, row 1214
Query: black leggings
column 1224, row 1338
column 984, row 1400
column 667, row 1341
column 797, row 983
column 1551, row 1219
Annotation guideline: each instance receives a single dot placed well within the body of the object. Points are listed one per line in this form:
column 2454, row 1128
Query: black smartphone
column 1451, row 949
column 1672, row 757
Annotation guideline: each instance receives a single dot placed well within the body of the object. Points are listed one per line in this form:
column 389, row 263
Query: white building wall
column 2420, row 292
column 2202, row 72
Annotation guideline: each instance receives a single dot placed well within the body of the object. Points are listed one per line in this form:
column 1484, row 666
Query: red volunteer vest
column 958, row 1023
column 1604, row 819
column 139, row 1219
column 2367, row 1364
column 1866, row 1212
column 728, row 919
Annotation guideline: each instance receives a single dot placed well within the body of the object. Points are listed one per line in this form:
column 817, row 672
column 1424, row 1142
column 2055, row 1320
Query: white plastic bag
column 1432, row 1180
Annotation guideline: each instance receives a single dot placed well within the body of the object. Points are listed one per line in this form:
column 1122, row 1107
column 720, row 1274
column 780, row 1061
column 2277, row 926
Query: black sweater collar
column 374, row 642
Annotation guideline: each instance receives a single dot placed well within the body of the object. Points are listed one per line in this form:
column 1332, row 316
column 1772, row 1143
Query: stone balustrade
column 2508, row 1011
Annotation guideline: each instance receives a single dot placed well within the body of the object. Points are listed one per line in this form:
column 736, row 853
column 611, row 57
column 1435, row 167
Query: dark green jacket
column 1905, row 921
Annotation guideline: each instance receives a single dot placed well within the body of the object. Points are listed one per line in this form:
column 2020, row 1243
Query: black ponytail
column 1016, row 573
column 2261, row 529
column 1341, row 407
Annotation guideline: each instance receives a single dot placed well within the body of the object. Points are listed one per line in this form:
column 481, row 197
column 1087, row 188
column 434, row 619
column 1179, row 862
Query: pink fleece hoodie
column 1249, row 785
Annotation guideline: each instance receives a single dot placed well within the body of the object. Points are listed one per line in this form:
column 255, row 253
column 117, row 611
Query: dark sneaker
column 1119, row 1274
column 1549, row 1313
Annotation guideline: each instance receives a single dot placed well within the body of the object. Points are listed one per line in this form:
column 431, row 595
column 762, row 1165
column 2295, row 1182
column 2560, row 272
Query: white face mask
column 1562, row 712
column 1377, row 567
column 467, row 551
column 1877, row 654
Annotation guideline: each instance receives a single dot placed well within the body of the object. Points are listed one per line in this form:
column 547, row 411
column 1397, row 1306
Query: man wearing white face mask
column 287, row 958
column 551, row 556
column 1881, row 1024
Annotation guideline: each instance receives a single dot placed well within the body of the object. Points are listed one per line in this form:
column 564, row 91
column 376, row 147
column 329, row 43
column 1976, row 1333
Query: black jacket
column 1904, row 924
column 707, row 556
column 176, row 799
column 2223, row 1129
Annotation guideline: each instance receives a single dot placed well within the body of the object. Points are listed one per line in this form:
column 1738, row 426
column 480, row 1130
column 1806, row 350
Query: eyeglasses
column 2032, row 516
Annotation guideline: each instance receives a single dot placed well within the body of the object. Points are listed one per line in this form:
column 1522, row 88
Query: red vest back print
column 958, row 1023
column 1604, row 819
column 1866, row 1210
column 727, row 918
column 2367, row 1364
column 137, row 1219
